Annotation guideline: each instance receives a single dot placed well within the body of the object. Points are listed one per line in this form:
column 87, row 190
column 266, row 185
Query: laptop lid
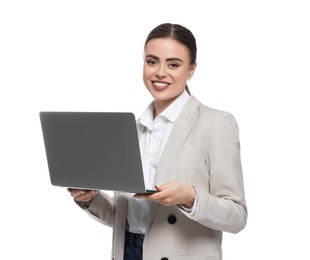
column 93, row 150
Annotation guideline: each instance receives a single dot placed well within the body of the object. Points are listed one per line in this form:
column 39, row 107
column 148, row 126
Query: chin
column 160, row 95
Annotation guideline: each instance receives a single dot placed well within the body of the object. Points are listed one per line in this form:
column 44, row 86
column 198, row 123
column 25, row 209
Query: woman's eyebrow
column 151, row 56
column 169, row 59
column 174, row 59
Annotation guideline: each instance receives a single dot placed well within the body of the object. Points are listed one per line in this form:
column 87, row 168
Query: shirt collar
column 171, row 113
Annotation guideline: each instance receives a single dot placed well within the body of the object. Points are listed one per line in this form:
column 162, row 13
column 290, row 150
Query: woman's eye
column 174, row 65
column 151, row 62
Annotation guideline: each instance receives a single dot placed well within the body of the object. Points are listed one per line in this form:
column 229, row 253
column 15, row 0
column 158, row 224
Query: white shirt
column 152, row 145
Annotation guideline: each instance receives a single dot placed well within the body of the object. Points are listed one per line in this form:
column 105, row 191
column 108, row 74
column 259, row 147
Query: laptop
column 93, row 150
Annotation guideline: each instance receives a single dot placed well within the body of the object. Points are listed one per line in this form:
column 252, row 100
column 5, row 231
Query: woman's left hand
column 172, row 193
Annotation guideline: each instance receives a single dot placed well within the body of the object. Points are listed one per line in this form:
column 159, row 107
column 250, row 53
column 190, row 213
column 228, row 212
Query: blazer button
column 172, row 219
column 164, row 258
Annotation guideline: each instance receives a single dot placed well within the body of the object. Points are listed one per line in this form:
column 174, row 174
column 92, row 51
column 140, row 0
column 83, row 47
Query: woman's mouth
column 159, row 85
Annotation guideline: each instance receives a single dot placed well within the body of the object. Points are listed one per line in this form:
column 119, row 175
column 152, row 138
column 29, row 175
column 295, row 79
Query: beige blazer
column 203, row 150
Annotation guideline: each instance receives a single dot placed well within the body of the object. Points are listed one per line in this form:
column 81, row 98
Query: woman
column 190, row 154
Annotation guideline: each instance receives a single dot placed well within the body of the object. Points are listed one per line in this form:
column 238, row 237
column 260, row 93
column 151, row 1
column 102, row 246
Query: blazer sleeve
column 102, row 208
column 223, row 207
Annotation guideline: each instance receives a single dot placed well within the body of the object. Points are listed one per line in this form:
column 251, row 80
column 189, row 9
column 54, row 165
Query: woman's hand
column 172, row 193
column 82, row 195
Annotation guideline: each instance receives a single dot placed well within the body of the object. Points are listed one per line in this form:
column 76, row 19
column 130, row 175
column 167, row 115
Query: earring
column 189, row 78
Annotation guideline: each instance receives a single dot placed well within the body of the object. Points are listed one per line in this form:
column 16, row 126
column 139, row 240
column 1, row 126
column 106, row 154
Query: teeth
column 160, row 84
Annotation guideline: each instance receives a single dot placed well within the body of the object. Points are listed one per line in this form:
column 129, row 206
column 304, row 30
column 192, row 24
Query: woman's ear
column 192, row 70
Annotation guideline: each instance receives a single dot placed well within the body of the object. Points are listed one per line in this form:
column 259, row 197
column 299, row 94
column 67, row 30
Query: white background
column 253, row 61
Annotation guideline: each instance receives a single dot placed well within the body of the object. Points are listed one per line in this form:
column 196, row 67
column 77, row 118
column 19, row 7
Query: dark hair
column 178, row 33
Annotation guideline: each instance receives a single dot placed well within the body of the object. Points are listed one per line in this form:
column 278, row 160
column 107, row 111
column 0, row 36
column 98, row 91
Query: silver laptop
column 93, row 150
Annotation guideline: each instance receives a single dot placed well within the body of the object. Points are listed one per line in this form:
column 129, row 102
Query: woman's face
column 166, row 69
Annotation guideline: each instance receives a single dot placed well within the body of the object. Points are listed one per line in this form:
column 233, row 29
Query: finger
column 76, row 192
column 86, row 196
column 71, row 190
column 158, row 196
column 158, row 187
column 76, row 189
column 164, row 186
column 79, row 192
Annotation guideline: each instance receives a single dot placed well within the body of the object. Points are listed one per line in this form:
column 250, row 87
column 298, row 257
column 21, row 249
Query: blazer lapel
column 179, row 133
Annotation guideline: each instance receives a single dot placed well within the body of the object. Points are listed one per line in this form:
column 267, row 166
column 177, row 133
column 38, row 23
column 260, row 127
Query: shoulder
column 214, row 122
column 210, row 114
column 217, row 126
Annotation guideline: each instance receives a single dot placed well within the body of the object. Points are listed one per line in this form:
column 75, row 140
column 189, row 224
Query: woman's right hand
column 82, row 195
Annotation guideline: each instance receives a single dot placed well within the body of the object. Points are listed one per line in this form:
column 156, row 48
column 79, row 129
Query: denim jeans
column 133, row 246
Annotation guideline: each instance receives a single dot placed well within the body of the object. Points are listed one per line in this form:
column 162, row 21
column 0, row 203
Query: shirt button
column 172, row 219
column 164, row 258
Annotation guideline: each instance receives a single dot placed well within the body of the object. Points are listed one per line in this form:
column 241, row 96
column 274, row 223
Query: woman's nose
column 161, row 72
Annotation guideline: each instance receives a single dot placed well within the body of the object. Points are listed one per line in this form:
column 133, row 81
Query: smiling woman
column 166, row 73
column 190, row 154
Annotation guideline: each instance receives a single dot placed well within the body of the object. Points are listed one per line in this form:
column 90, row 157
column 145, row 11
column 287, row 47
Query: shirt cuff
column 192, row 210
